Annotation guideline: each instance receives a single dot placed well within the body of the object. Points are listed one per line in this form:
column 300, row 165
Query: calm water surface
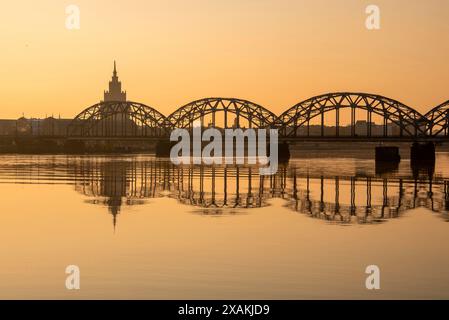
column 139, row 227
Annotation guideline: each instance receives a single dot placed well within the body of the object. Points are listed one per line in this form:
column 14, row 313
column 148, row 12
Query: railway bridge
column 332, row 117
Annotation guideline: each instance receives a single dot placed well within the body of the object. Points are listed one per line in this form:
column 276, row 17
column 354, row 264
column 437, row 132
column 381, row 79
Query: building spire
column 115, row 92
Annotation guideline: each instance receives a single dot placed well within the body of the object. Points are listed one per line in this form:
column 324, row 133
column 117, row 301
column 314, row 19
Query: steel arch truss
column 409, row 121
column 118, row 119
column 438, row 120
column 257, row 116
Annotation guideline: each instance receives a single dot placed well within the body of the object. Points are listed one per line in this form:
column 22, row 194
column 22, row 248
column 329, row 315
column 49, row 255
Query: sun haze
column 273, row 52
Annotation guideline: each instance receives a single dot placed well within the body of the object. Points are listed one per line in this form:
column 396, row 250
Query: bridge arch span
column 118, row 118
column 438, row 120
column 408, row 121
column 253, row 114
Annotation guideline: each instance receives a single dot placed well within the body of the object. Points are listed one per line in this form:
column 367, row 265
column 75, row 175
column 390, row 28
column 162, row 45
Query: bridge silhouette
column 343, row 116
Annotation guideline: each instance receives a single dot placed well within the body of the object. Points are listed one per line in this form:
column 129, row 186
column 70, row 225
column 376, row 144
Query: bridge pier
column 383, row 167
column 283, row 152
column 387, row 154
column 422, row 152
column 422, row 159
column 163, row 148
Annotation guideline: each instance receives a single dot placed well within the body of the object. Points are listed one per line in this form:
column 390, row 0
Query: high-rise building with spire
column 115, row 92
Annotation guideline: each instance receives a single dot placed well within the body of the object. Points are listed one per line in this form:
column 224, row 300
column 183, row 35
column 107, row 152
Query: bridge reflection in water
column 221, row 190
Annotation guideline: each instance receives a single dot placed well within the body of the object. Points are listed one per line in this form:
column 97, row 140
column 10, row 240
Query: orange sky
column 273, row 52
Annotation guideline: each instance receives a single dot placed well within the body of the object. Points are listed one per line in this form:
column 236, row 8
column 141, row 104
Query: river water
column 139, row 227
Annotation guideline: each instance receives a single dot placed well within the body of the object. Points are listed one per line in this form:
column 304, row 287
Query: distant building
column 115, row 92
column 50, row 126
column 8, row 127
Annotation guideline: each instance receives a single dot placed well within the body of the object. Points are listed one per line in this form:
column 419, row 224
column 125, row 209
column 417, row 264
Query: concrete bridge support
column 422, row 159
column 387, row 154
column 284, row 152
column 163, row 148
column 423, row 152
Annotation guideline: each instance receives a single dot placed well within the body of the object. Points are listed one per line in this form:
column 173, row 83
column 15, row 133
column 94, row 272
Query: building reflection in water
column 119, row 183
column 218, row 190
